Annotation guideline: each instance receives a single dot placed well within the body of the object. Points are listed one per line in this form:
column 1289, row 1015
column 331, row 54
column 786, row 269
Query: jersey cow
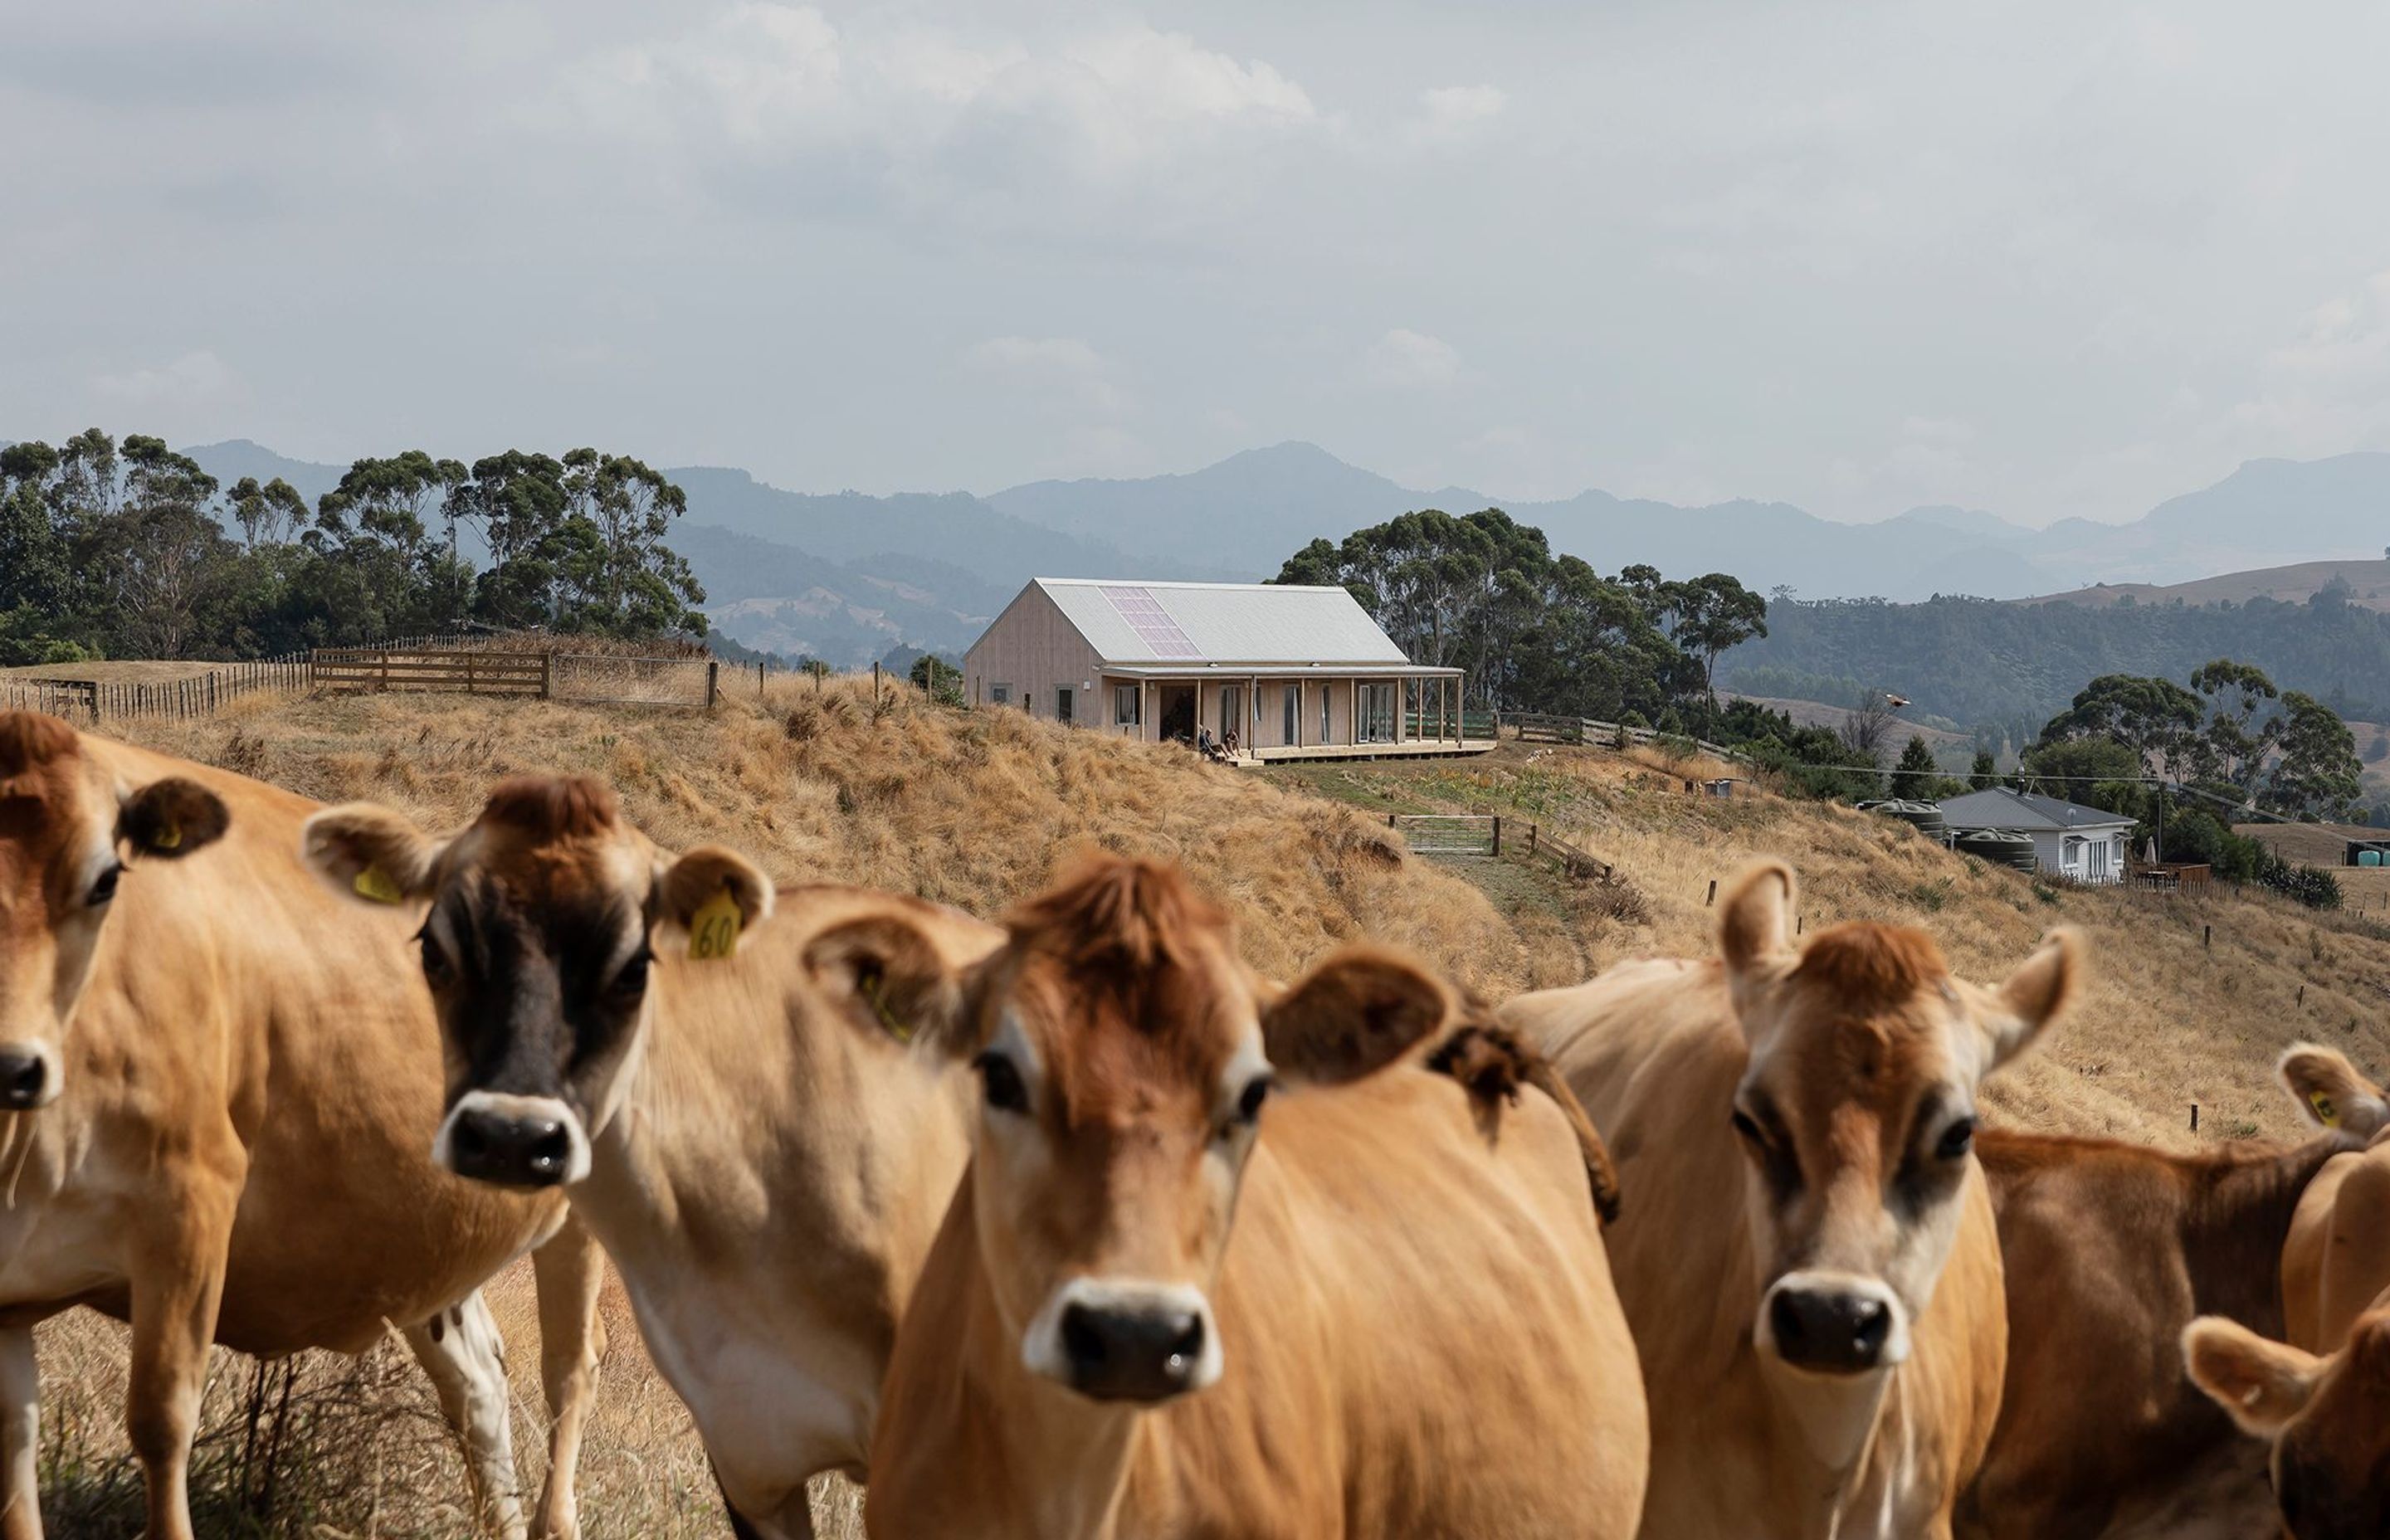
column 1824, row 1354
column 1227, row 1262
column 765, row 1163
column 222, row 1084
column 2322, row 1400
column 2112, row 1250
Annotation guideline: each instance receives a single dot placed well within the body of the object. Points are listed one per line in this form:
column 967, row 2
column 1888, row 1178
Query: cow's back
column 237, row 1003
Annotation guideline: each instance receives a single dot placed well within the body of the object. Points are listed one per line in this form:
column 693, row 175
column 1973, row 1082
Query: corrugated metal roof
column 1220, row 622
column 1999, row 807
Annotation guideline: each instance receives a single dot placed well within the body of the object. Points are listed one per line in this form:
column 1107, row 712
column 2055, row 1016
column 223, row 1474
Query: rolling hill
column 844, row 575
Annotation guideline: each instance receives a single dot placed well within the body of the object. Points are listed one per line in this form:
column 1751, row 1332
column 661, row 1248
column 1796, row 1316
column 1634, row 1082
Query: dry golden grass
column 978, row 809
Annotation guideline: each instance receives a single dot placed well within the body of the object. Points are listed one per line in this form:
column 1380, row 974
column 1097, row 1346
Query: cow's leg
column 20, row 1437
column 793, row 1519
column 178, row 1270
column 568, row 1271
column 461, row 1350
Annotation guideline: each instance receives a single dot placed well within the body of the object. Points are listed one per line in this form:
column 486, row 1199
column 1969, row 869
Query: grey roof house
column 2087, row 844
column 1269, row 670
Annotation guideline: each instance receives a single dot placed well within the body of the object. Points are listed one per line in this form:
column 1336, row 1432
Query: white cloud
column 1404, row 359
column 772, row 80
column 194, row 380
column 1064, row 369
column 1451, row 108
column 2329, row 389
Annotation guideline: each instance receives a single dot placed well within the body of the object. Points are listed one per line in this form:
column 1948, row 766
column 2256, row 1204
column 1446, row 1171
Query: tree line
column 129, row 550
column 1983, row 662
column 1538, row 632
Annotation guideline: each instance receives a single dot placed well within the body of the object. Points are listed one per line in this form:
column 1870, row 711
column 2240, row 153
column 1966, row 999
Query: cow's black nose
column 1145, row 1354
column 23, row 1078
column 1832, row 1331
column 509, row 1150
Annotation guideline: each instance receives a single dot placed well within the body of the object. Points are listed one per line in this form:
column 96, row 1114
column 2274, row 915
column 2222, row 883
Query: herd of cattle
column 1071, row 1226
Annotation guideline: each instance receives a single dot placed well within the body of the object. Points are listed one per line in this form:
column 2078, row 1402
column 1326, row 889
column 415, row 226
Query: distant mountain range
column 846, row 576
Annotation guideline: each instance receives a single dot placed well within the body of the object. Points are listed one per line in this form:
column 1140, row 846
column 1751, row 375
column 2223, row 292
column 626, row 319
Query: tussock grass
column 978, row 809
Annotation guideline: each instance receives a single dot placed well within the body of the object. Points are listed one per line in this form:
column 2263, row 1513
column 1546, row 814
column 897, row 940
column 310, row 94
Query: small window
column 1062, row 703
column 999, row 694
column 1128, row 706
column 1294, row 708
column 1327, row 714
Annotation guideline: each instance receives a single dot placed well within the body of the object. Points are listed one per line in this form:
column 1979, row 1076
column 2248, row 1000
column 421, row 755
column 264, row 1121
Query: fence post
column 546, row 675
column 713, row 682
column 1498, row 834
column 1712, row 900
column 1530, row 838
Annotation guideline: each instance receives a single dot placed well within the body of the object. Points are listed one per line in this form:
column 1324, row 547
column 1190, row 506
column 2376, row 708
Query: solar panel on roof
column 1151, row 622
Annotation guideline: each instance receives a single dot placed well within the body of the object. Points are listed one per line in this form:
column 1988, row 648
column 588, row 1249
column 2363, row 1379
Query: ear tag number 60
column 714, row 929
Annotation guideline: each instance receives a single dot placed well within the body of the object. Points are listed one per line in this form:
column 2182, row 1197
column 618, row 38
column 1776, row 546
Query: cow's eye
column 1249, row 1104
column 1747, row 1129
column 436, row 968
column 632, row 981
column 1001, row 1083
column 1956, row 1141
column 103, row 888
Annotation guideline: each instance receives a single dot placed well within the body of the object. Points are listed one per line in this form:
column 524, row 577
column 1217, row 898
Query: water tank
column 1998, row 846
column 2368, row 859
column 1924, row 818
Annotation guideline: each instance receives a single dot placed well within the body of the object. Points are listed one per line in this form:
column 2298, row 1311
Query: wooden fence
column 202, row 694
column 1450, row 833
column 473, row 672
column 1543, row 728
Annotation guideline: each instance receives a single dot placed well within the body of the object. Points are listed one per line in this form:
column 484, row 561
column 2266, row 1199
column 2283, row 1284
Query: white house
column 2069, row 839
column 1276, row 671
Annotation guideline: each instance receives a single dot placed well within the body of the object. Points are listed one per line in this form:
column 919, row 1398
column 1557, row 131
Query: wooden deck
column 1417, row 748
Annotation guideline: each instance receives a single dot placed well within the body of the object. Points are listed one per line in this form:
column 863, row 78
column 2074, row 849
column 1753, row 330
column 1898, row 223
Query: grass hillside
column 2368, row 583
column 978, row 809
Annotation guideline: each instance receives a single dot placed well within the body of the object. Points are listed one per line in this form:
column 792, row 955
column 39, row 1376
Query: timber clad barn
column 1276, row 672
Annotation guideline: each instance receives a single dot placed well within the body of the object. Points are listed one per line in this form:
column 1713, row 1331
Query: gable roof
column 1220, row 622
column 1999, row 807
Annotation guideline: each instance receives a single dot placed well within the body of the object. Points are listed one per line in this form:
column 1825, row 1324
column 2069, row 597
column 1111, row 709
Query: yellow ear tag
column 2324, row 1109
column 169, row 838
column 714, row 929
column 375, row 883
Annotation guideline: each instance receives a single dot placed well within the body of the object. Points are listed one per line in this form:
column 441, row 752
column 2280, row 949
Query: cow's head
column 68, row 829
column 2328, row 1420
column 2330, row 1093
column 1857, row 1116
column 1125, row 1056
column 536, row 944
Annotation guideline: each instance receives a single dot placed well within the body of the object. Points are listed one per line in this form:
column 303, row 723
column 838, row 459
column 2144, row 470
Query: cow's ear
column 172, row 817
column 2262, row 1384
column 1755, row 929
column 2033, row 996
column 716, row 895
column 368, row 851
column 1355, row 1013
column 2330, row 1091
column 887, row 978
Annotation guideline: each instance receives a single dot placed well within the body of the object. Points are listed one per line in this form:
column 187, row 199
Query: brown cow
column 2112, row 1250
column 2322, row 1400
column 765, row 1165
column 223, row 1084
column 1806, row 1252
column 1408, row 1329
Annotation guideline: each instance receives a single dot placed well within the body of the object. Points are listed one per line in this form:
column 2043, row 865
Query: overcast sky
column 2043, row 259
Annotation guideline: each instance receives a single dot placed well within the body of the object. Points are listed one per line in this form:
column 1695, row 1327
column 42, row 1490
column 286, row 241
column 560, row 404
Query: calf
column 2321, row 1401
column 1806, row 1251
column 720, row 1096
column 224, row 1084
column 1225, row 1261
